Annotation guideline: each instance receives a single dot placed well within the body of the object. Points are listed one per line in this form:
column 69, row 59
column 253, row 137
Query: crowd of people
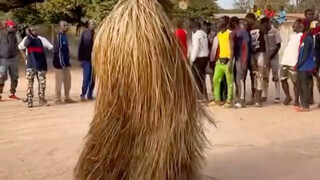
column 251, row 46
column 229, row 51
column 33, row 49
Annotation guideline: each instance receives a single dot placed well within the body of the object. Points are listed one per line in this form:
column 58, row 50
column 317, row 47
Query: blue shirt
column 61, row 52
column 282, row 16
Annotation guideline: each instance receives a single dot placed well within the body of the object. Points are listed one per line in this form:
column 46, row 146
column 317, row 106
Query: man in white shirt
column 34, row 46
column 289, row 61
column 199, row 57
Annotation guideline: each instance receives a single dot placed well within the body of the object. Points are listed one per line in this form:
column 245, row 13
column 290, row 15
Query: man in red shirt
column 181, row 34
column 269, row 13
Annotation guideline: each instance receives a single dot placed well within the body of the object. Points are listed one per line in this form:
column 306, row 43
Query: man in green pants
column 224, row 64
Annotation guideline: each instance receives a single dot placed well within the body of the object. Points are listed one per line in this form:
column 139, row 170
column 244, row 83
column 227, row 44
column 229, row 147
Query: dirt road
column 271, row 143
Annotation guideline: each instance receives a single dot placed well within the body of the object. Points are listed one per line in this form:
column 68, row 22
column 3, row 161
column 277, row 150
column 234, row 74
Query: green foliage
column 197, row 8
column 51, row 11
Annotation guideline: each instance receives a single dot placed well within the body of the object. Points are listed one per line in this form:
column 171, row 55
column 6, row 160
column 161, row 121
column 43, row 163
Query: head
column 265, row 24
column 281, row 8
column 234, row 23
column 309, row 15
column 305, row 26
column 296, row 27
column 251, row 19
column 269, row 7
column 223, row 22
column 276, row 24
column 92, row 25
column 255, row 8
column 34, row 30
column 11, row 26
column 178, row 23
column 64, row 26
column 195, row 25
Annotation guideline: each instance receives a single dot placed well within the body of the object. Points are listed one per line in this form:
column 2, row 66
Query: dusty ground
column 271, row 143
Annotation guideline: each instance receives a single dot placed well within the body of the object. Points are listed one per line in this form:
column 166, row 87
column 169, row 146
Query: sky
column 226, row 4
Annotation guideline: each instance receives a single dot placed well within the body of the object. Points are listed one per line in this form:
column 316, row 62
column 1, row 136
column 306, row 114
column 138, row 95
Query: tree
column 197, row 8
column 6, row 5
column 51, row 11
column 244, row 5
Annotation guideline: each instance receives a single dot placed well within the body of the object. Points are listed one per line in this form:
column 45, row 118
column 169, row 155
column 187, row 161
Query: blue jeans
column 88, row 80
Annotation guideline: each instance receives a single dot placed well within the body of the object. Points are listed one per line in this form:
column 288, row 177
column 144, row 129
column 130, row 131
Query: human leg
column 30, row 74
column 13, row 69
column 305, row 79
column 284, row 74
column 275, row 78
column 42, row 80
column 59, row 79
column 86, row 68
column 217, row 78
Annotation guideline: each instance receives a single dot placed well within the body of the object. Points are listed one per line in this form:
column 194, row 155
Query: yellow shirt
column 224, row 44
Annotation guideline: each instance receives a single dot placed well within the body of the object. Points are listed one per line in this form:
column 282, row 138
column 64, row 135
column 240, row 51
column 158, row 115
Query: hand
column 268, row 63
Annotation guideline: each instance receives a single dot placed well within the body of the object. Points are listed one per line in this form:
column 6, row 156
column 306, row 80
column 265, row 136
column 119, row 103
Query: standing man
column 305, row 67
column 9, row 62
column 272, row 62
column 250, row 24
column 259, row 48
column 34, row 46
column 181, row 35
column 224, row 64
column 61, row 62
column 241, row 53
column 199, row 58
column 288, row 62
column 256, row 11
column 84, row 55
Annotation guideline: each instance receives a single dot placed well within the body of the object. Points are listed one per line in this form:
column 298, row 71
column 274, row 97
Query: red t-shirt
column 181, row 34
column 269, row 13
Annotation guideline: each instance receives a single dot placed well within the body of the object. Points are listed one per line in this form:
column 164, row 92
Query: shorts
column 287, row 72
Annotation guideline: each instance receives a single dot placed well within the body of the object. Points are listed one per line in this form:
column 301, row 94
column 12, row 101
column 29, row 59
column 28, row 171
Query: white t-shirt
column 46, row 44
column 200, row 46
column 291, row 53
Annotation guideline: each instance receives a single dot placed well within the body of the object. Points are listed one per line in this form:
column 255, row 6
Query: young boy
column 305, row 67
column 224, row 64
column 241, row 52
column 289, row 60
column 272, row 63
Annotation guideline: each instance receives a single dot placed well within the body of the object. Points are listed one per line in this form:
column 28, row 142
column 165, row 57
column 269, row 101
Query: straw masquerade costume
column 148, row 123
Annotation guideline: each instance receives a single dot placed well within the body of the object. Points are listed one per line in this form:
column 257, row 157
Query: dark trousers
column 11, row 67
column 199, row 73
column 304, row 85
column 88, row 80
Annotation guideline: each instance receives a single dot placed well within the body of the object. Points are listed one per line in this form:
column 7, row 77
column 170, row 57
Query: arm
column 81, row 48
column 278, row 40
column 195, row 47
column 22, row 48
column 46, row 43
column 231, row 37
column 214, row 50
column 275, row 52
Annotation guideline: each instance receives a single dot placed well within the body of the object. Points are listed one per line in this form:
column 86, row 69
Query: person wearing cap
column 9, row 62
